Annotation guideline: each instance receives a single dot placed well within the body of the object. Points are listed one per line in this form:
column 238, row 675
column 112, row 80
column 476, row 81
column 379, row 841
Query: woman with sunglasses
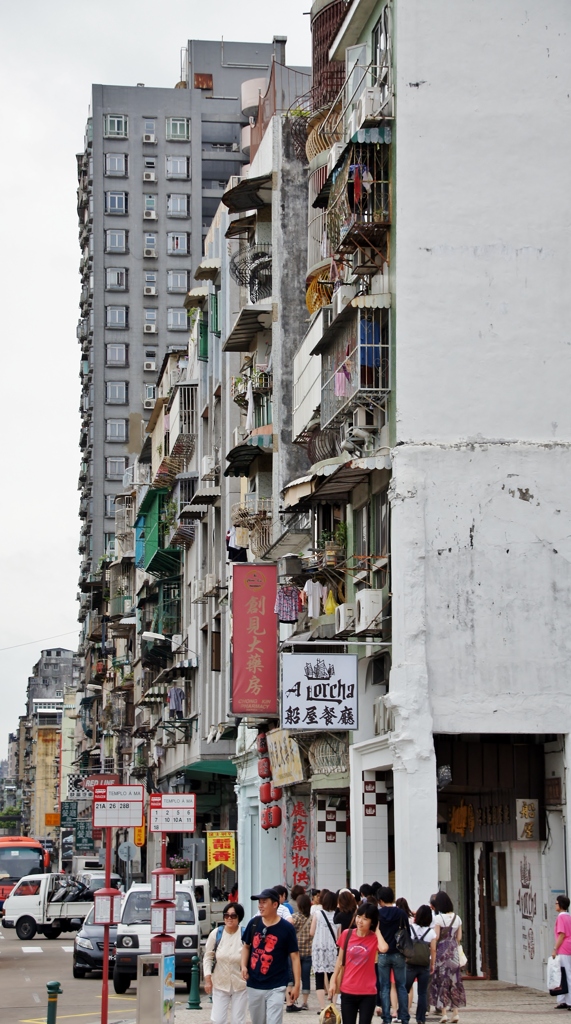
column 222, row 972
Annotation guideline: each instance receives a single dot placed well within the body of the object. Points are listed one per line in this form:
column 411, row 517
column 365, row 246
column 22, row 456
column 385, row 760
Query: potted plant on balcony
column 180, row 865
column 330, row 547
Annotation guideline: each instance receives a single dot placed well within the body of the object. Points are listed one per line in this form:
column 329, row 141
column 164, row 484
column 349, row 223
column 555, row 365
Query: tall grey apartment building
column 153, row 170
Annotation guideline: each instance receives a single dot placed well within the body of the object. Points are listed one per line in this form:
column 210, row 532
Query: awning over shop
column 208, row 269
column 242, row 456
column 222, row 767
column 249, row 322
column 249, row 194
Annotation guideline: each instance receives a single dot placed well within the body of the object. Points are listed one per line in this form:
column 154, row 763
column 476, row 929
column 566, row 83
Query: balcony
column 251, row 268
column 355, row 360
column 307, row 378
column 120, row 605
column 183, row 422
column 251, row 511
column 261, row 381
column 359, row 203
column 261, row 538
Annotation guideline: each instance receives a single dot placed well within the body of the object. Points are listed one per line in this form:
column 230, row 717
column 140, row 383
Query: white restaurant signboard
column 319, row 692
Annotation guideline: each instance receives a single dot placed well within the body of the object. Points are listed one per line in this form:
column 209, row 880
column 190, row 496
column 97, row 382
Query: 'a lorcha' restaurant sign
column 254, row 640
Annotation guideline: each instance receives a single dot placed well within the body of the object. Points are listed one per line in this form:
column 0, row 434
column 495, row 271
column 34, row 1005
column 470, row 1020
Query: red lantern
column 264, row 768
column 275, row 816
column 266, row 793
column 275, row 793
column 262, row 743
column 265, row 818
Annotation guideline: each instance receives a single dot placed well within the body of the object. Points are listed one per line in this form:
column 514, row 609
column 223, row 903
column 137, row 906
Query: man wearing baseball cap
column 267, row 943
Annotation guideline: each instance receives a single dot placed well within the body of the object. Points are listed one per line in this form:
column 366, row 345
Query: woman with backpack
column 222, row 968
column 420, row 966
column 446, row 986
column 324, row 933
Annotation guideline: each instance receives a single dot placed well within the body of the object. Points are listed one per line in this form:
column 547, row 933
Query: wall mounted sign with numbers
column 172, row 812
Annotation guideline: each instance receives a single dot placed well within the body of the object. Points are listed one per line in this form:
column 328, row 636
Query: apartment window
column 150, row 240
column 150, row 202
column 116, row 165
column 151, row 276
column 150, row 316
column 177, row 205
column 150, row 163
column 116, row 203
column 177, row 166
column 148, row 126
column 116, row 279
column 177, row 281
column 150, row 353
column 117, row 317
column 116, row 126
column 115, row 467
column 109, row 543
column 116, row 392
column 176, row 319
column 178, row 129
column 150, row 392
column 177, row 243
column 115, row 241
column 109, row 505
column 361, row 531
column 213, row 312
column 215, row 651
column 116, row 430
column 116, row 355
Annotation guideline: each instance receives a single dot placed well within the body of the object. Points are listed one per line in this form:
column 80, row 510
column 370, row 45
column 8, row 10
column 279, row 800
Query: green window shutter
column 203, row 338
column 213, row 311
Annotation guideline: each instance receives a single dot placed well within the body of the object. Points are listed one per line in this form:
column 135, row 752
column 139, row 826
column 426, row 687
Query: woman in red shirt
column 358, row 949
column 562, row 947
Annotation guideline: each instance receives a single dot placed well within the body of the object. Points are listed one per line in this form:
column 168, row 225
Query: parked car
column 88, row 948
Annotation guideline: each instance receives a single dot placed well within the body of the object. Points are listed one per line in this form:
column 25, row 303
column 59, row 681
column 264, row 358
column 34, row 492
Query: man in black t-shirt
column 268, row 942
column 392, row 918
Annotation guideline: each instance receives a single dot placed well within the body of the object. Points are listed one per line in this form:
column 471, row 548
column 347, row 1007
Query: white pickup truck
column 37, row 904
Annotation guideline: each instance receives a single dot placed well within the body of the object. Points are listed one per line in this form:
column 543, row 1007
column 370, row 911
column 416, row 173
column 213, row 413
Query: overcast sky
column 51, row 54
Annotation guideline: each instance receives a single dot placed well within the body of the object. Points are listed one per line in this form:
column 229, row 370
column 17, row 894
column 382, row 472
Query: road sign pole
column 163, row 849
column 105, row 988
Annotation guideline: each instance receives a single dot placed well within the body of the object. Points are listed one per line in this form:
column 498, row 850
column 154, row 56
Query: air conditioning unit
column 208, row 465
column 150, row 329
column 197, row 592
column 149, row 215
column 149, row 403
column 210, row 584
column 150, row 254
column 334, row 154
column 149, row 289
column 368, row 105
column 149, row 176
column 341, row 298
column 151, row 138
column 366, row 419
column 369, row 611
column 150, row 366
column 383, row 717
column 344, row 619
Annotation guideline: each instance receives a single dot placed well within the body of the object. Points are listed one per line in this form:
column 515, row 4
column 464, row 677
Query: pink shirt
column 563, row 924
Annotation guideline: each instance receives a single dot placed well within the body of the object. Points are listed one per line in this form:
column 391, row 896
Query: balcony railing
column 261, row 538
column 355, row 363
column 251, row 510
column 359, row 207
column 261, row 381
column 252, row 268
column 307, row 376
column 120, row 605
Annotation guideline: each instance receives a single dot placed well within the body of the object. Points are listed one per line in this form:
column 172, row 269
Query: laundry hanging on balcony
column 236, row 550
column 287, row 604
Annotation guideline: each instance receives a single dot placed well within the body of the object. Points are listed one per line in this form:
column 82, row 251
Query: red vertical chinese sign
column 255, row 640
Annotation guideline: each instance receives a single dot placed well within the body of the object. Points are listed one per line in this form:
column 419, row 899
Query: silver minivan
column 134, row 933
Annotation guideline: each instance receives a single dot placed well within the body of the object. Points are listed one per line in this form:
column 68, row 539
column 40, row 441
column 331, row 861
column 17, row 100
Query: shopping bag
column 556, row 977
column 330, row 1015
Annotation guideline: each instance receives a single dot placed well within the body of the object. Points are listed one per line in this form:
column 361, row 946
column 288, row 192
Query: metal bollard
column 194, row 994
column 54, row 989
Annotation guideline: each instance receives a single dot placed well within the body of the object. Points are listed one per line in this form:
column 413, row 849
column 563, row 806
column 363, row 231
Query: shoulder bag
column 403, row 940
column 328, row 923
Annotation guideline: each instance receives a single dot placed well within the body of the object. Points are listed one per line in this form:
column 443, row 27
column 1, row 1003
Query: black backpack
column 420, row 956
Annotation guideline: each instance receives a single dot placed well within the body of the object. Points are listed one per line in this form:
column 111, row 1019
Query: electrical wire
column 40, row 641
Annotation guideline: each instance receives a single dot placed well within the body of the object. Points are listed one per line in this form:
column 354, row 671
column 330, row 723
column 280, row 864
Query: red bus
column 19, row 856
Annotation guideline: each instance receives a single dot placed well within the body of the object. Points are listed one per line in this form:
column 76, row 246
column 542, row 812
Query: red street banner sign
column 255, row 640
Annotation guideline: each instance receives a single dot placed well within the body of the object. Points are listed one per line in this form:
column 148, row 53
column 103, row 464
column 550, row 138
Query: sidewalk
column 487, row 1001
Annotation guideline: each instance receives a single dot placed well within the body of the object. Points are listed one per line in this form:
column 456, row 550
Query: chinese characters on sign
column 527, row 819
column 221, row 850
column 254, row 640
column 319, row 693
column 299, row 852
column 482, row 817
column 285, row 758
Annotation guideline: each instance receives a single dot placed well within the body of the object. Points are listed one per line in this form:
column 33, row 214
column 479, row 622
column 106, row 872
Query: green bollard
column 54, row 989
column 194, row 994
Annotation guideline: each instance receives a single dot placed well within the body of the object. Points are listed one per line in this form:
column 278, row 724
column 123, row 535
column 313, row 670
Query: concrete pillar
column 416, row 849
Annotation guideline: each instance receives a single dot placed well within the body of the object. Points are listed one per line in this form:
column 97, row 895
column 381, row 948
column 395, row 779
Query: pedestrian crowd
column 367, row 952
